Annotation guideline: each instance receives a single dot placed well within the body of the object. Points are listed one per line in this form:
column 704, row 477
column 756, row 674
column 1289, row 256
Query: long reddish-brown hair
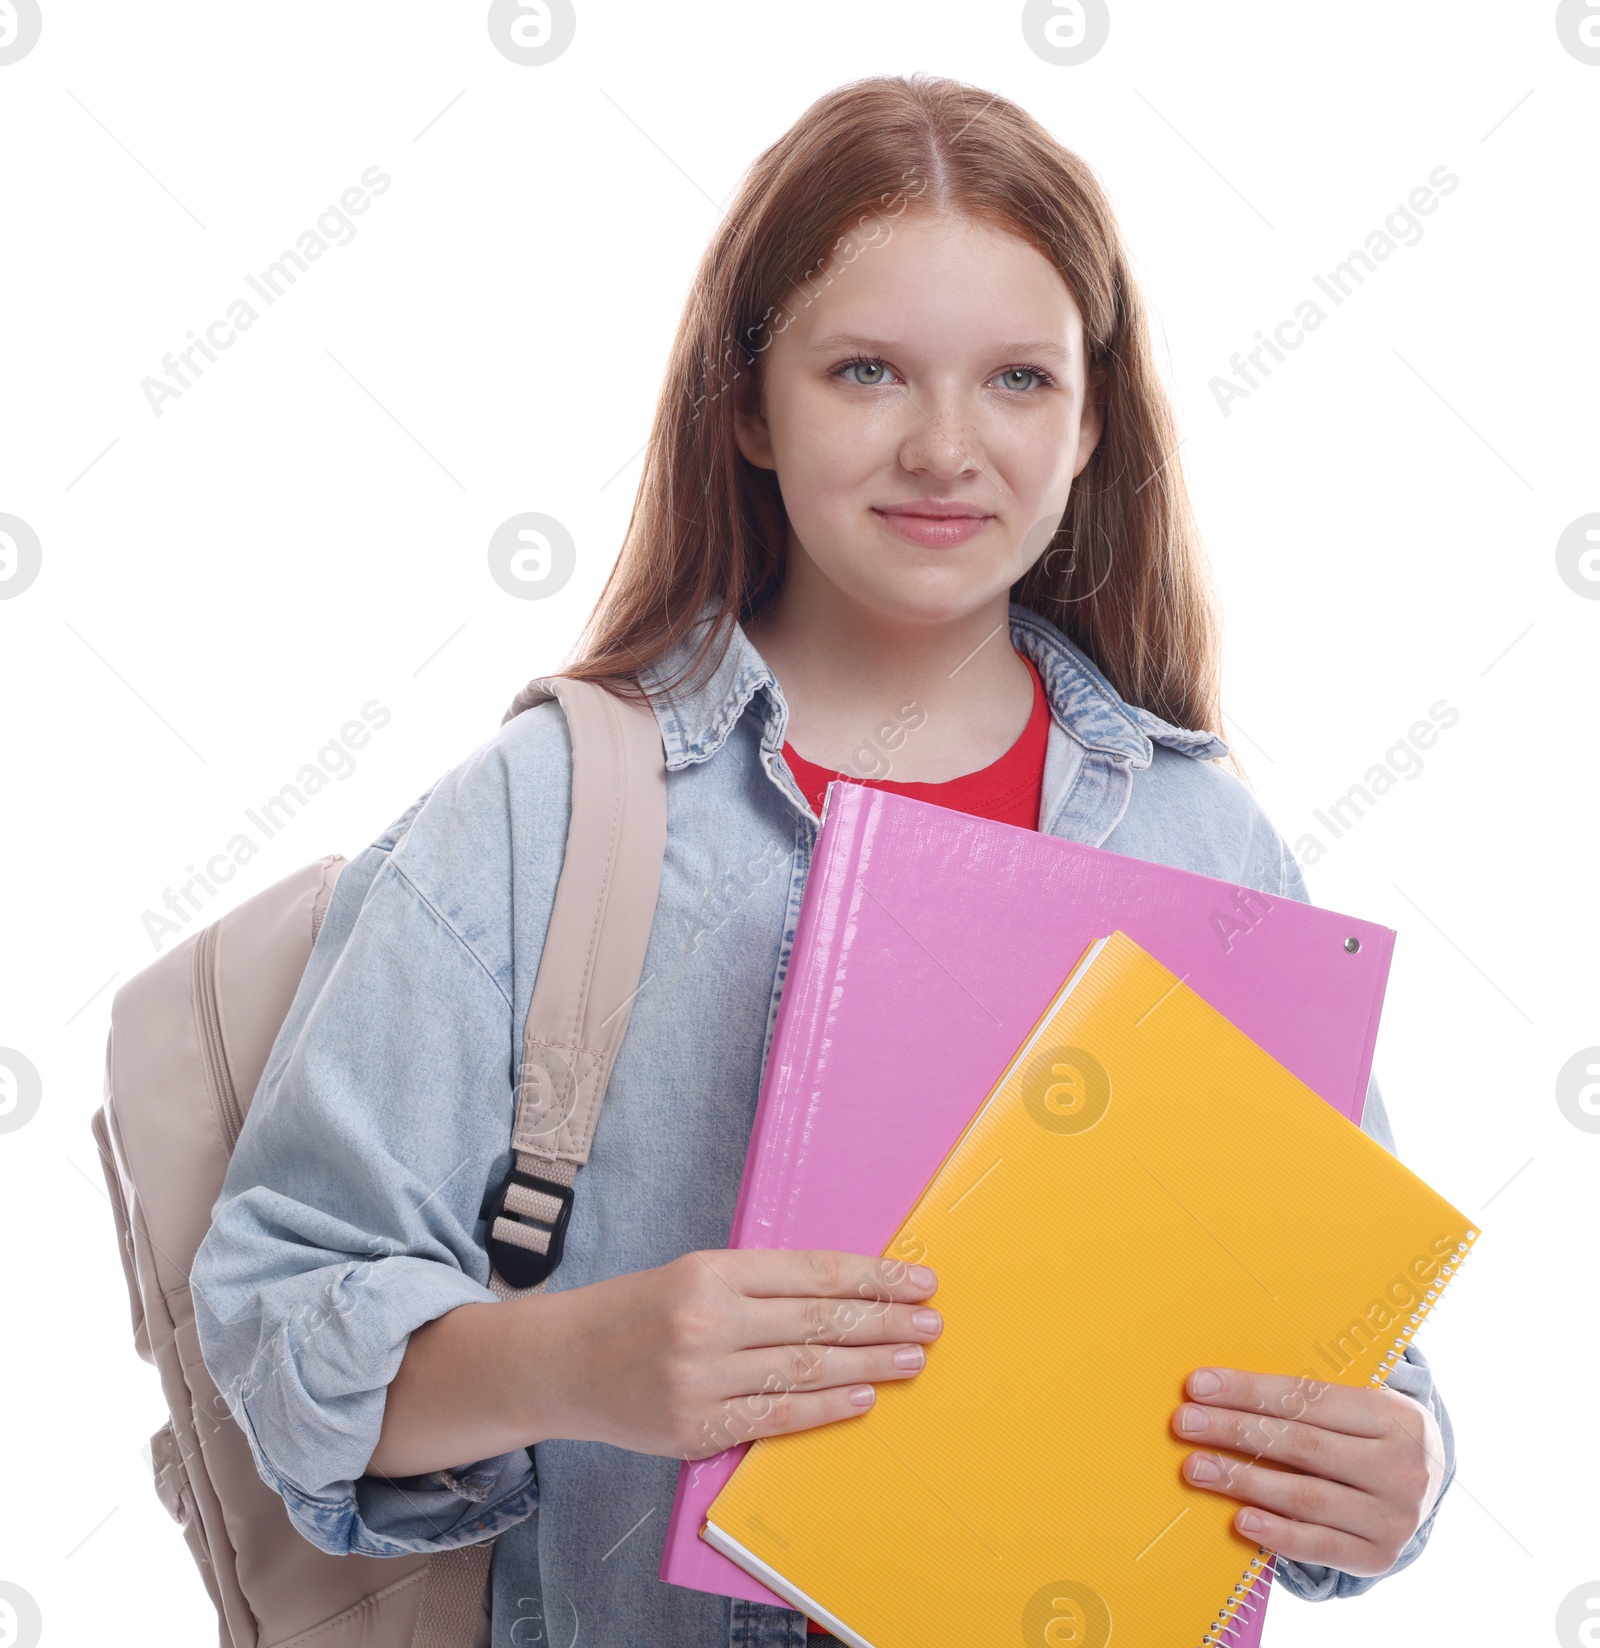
column 1124, row 576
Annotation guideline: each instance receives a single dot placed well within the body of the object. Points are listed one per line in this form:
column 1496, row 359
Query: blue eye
column 870, row 372
column 873, row 372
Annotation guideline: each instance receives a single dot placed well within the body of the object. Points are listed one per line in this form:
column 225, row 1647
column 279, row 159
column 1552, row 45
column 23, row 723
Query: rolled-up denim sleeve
column 1315, row 1582
column 1412, row 1376
column 350, row 1216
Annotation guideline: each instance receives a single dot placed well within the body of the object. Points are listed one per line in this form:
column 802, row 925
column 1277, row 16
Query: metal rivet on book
column 1352, row 945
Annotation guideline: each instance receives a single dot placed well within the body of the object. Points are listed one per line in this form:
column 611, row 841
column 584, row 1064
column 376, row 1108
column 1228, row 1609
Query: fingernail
column 921, row 1276
column 910, row 1356
column 1191, row 1418
column 1250, row 1523
column 1205, row 1383
column 1203, row 1468
column 927, row 1321
column 862, row 1396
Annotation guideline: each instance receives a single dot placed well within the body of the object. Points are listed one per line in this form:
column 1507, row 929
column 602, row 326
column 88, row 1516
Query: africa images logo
column 20, row 24
column 1066, row 32
column 335, row 762
column 532, row 32
column 20, row 1622
column 1066, row 1089
column 20, row 555
column 20, row 1092
column 334, row 228
column 531, row 556
column 1577, row 556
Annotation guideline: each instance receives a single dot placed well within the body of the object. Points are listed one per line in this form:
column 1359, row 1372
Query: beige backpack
column 190, row 1036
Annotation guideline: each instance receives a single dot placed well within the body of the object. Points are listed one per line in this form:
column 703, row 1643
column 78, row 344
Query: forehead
column 925, row 274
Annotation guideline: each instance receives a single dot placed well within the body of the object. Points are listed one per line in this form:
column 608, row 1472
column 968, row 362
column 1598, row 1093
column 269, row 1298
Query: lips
column 934, row 521
column 936, row 508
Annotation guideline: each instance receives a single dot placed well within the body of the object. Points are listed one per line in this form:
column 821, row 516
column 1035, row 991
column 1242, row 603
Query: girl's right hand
column 725, row 1345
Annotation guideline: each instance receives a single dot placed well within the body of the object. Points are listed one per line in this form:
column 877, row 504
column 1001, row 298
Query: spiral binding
column 1225, row 1627
column 1424, row 1309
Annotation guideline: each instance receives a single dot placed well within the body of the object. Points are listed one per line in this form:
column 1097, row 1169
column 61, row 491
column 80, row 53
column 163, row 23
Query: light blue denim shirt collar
column 1083, row 703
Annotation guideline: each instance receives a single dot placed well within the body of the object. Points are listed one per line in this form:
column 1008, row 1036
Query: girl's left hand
column 1354, row 1470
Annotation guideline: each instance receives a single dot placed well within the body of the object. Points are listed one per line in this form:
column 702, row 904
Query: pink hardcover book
column 929, row 943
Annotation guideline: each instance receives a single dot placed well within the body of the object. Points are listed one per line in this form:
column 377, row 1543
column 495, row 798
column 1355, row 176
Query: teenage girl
column 912, row 514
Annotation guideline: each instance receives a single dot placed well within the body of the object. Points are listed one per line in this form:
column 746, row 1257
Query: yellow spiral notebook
column 1144, row 1192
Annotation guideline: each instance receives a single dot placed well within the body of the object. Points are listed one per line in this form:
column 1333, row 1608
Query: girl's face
column 926, row 411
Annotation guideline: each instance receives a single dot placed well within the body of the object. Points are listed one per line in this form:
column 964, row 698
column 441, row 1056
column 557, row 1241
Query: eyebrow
column 1043, row 348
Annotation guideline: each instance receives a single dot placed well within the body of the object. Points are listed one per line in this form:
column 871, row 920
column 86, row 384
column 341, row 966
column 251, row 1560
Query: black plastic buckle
column 521, row 1267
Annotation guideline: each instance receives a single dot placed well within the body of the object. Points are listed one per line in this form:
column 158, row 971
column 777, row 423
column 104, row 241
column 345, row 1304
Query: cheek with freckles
column 830, row 470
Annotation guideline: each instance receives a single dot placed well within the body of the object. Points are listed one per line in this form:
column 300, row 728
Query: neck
column 936, row 698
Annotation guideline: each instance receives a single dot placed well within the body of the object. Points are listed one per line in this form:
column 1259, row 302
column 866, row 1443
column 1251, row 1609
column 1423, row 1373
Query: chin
column 926, row 606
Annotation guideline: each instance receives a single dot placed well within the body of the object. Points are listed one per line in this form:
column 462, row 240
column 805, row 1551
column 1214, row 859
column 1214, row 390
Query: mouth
column 934, row 521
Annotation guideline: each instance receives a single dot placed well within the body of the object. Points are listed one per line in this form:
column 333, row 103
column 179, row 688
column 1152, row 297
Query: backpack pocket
column 119, row 1209
column 174, row 1491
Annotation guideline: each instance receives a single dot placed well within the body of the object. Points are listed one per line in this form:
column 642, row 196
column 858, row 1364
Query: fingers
column 773, row 1322
column 786, row 1339
column 1347, row 1408
column 1310, row 1542
column 1357, row 1461
column 1347, row 1484
column 1304, row 1518
column 770, row 1296
column 778, row 1413
column 765, row 1380
column 779, row 1273
column 817, row 1367
column 788, row 1376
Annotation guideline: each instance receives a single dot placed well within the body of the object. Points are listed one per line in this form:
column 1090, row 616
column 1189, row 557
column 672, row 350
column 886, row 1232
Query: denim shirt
column 351, row 1210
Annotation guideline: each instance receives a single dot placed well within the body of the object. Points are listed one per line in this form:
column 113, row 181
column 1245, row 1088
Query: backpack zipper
column 218, row 1078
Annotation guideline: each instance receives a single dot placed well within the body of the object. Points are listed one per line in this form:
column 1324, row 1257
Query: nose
column 941, row 437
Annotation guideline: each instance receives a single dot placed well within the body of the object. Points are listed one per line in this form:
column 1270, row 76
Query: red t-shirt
column 1008, row 790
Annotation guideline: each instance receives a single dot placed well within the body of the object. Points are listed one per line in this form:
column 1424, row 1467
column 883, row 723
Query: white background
column 304, row 530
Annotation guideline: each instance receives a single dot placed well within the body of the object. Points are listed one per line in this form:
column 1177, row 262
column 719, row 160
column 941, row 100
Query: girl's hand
column 1355, row 1469
column 726, row 1345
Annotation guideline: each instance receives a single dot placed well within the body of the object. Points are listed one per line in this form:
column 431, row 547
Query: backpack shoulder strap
column 589, row 968
column 582, row 999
